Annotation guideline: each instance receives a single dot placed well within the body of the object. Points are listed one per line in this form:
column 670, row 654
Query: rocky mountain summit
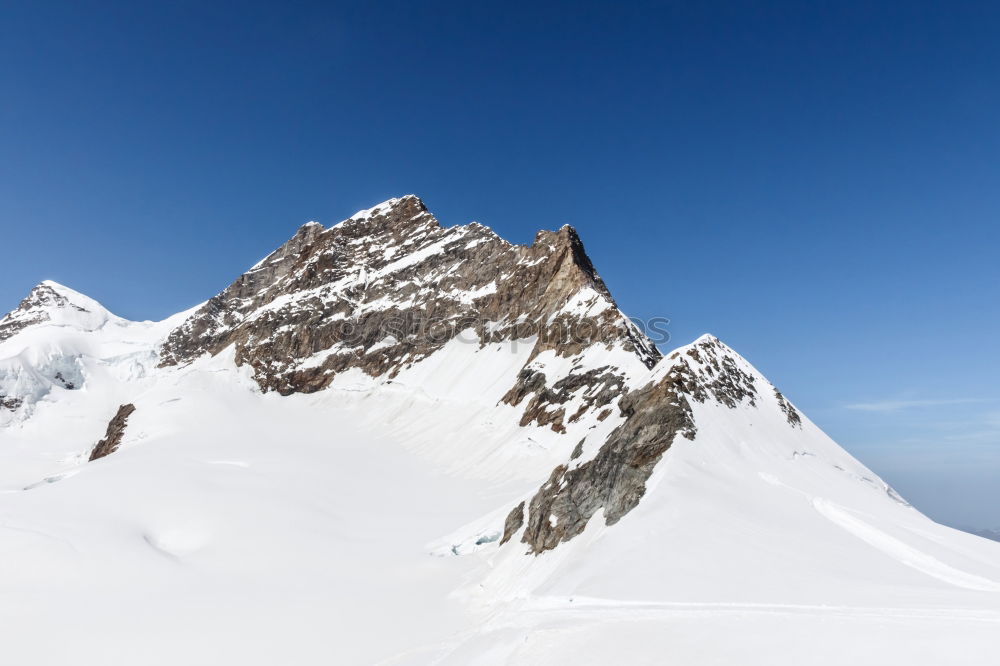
column 389, row 286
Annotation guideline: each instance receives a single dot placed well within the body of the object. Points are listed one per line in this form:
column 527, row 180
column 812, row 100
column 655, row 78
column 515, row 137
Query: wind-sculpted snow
column 389, row 287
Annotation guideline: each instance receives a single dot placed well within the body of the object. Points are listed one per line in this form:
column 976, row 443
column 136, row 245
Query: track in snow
column 902, row 552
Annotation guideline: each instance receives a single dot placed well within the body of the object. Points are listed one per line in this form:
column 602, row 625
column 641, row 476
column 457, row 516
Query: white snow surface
column 360, row 525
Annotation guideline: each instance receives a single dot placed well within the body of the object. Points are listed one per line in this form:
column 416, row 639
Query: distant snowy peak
column 388, row 287
column 52, row 303
column 58, row 340
column 30, row 365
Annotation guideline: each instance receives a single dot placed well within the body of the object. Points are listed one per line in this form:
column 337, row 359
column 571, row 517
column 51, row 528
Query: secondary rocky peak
column 612, row 475
column 566, row 235
column 389, row 286
column 565, row 240
column 574, row 265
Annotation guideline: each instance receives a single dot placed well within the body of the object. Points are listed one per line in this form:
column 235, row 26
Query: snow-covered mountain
column 391, row 442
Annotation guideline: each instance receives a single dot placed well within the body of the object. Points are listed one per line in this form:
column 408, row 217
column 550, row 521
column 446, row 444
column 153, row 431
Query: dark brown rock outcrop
column 515, row 519
column 114, row 434
column 600, row 386
column 613, row 480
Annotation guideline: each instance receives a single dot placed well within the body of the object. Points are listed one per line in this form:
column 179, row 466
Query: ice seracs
column 57, row 338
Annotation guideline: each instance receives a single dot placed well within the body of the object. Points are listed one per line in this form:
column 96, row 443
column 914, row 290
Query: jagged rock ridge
column 389, row 287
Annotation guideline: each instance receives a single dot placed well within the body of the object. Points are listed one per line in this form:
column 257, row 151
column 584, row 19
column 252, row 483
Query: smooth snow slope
column 359, row 525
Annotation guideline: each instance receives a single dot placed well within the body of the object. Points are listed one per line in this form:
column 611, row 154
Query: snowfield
column 360, row 525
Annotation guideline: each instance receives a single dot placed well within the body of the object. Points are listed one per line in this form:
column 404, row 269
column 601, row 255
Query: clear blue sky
column 817, row 183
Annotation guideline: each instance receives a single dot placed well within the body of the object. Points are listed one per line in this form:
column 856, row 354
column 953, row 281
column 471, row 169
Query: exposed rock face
column 115, row 432
column 34, row 309
column 389, row 287
column 790, row 412
column 515, row 519
column 615, row 478
column 655, row 415
column 600, row 386
column 714, row 373
column 10, row 402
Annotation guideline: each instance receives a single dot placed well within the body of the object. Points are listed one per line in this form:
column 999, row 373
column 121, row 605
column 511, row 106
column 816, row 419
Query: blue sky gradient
column 815, row 183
